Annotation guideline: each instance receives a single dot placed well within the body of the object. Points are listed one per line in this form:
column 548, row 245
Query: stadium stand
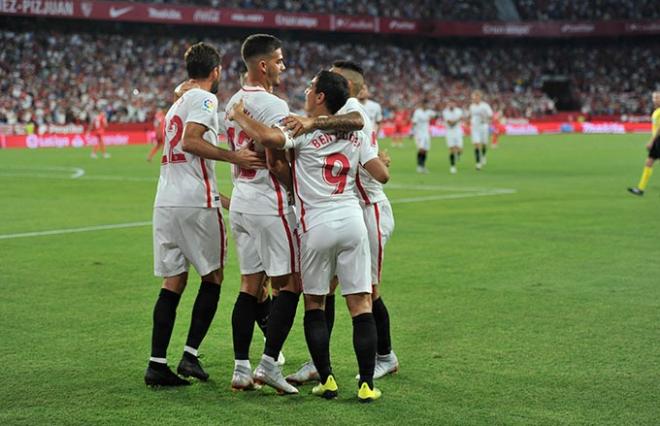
column 61, row 77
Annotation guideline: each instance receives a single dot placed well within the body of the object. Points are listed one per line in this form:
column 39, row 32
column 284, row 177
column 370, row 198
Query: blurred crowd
column 57, row 78
column 465, row 10
column 587, row 10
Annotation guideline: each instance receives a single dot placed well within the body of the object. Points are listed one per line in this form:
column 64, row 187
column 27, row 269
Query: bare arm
column 269, row 137
column 299, row 125
column 279, row 166
column 378, row 170
column 194, row 143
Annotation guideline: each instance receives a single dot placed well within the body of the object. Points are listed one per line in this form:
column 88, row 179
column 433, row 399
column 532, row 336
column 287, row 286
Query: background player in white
column 453, row 118
column 380, row 224
column 480, row 117
column 188, row 226
column 334, row 237
column 263, row 224
column 421, row 120
column 372, row 108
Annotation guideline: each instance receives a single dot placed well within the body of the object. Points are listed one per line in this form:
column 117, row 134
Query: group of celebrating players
column 308, row 215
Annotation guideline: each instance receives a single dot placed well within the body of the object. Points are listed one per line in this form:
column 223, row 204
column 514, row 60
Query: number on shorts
column 337, row 180
column 171, row 156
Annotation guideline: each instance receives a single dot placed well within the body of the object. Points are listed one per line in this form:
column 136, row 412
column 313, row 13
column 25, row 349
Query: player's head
column 476, row 96
column 351, row 72
column 364, row 93
column 262, row 54
column 656, row 99
column 327, row 93
column 203, row 63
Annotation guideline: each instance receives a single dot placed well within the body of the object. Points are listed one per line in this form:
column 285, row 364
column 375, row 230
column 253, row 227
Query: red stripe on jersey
column 206, row 182
column 363, row 192
column 292, row 250
column 302, row 285
column 380, row 241
column 223, row 239
column 278, row 190
column 297, row 191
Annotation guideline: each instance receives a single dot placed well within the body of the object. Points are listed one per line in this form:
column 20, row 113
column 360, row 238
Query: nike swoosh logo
column 115, row 13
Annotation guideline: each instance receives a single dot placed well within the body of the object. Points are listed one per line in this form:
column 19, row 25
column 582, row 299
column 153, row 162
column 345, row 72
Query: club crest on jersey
column 208, row 105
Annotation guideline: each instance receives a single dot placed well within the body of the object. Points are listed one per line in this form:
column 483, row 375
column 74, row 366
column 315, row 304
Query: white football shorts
column 265, row 243
column 188, row 235
column 423, row 141
column 341, row 248
column 454, row 139
column 479, row 134
column 379, row 220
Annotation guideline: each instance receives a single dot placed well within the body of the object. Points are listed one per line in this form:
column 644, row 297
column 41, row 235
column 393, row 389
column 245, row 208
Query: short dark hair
column 335, row 89
column 348, row 65
column 259, row 45
column 200, row 59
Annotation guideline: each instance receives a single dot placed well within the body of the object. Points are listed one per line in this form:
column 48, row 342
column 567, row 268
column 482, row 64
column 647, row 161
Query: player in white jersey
column 480, row 118
column 453, row 118
column 188, row 226
column 372, row 108
column 421, row 120
column 379, row 220
column 334, row 238
column 263, row 223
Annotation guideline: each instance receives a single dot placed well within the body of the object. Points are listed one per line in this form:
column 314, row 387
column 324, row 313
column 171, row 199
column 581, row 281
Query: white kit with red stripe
column 369, row 189
column 256, row 192
column 325, row 169
column 187, row 180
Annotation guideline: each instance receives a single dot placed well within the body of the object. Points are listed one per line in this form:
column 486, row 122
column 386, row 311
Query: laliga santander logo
column 208, row 105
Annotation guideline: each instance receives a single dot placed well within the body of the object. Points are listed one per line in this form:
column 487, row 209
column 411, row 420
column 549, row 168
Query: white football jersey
column 480, row 114
column 187, row 180
column 369, row 189
column 422, row 120
column 256, row 191
column 324, row 169
column 453, row 114
column 374, row 111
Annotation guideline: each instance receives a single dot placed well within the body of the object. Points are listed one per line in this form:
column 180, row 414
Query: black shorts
column 654, row 152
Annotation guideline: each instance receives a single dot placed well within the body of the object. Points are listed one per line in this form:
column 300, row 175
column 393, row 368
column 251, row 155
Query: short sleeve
column 368, row 151
column 202, row 108
column 353, row 105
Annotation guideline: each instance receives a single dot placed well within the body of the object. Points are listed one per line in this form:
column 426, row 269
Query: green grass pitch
column 527, row 293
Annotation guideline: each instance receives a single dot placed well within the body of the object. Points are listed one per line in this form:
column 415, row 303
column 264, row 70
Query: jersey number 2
column 337, row 180
column 171, row 156
column 242, row 138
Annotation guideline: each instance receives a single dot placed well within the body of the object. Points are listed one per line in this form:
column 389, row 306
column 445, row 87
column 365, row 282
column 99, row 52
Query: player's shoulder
column 200, row 98
column 351, row 105
column 656, row 113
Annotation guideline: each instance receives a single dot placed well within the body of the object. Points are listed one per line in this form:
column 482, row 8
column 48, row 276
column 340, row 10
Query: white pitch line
column 73, row 230
column 452, row 196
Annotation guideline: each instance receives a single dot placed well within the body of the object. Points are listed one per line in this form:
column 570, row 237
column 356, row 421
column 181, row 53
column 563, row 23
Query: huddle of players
column 480, row 114
column 336, row 232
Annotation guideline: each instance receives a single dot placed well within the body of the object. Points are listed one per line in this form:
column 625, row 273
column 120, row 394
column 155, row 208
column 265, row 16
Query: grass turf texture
column 537, row 307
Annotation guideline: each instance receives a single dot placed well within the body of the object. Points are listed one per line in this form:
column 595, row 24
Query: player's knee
column 358, row 304
column 313, row 301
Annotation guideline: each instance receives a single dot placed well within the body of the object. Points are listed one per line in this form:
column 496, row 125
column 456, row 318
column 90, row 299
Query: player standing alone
column 188, row 227
column 480, row 117
column 653, row 147
column 421, row 120
column 453, row 118
column 98, row 126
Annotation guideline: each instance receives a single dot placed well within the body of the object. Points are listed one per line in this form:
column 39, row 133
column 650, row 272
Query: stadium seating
column 57, row 77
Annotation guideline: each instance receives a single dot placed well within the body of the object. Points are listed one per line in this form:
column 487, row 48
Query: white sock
column 191, row 351
column 243, row 363
column 158, row 360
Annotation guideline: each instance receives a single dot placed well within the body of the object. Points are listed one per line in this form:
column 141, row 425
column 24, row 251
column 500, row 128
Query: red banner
column 193, row 15
column 74, row 140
